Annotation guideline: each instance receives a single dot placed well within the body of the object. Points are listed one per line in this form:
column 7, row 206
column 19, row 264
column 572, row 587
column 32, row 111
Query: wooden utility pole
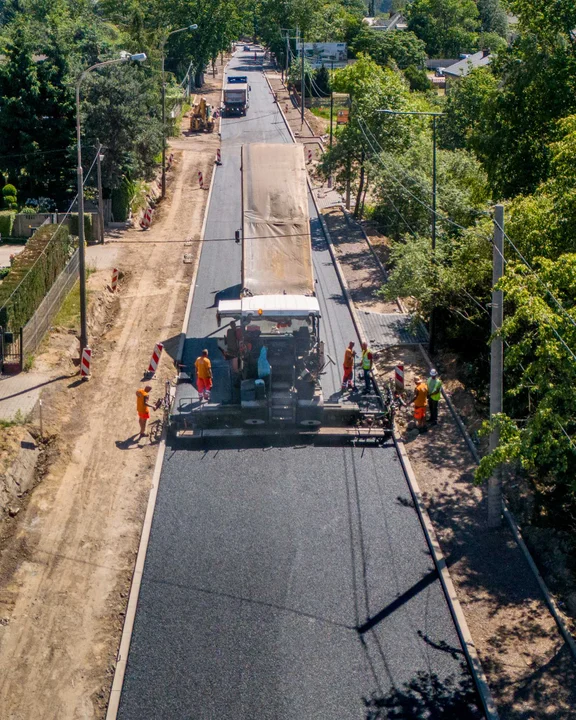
column 303, row 88
column 496, row 364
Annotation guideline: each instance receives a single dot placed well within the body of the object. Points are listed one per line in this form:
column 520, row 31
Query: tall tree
column 448, row 27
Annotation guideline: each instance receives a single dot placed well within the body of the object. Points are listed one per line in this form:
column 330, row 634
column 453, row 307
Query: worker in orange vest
column 347, row 378
column 143, row 407
column 203, row 375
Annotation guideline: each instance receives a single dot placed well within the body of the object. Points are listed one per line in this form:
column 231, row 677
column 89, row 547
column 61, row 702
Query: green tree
column 493, row 17
column 401, row 47
column 36, row 114
column 448, row 27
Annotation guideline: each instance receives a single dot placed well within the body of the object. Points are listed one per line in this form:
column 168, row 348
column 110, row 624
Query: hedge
column 121, row 199
column 6, row 222
column 88, row 226
column 32, row 274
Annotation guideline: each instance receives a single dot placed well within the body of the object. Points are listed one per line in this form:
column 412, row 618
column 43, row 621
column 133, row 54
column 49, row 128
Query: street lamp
column 124, row 57
column 162, row 46
column 433, row 115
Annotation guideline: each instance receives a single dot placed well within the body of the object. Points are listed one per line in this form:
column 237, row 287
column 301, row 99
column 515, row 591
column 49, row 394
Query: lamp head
column 138, row 57
column 193, row 27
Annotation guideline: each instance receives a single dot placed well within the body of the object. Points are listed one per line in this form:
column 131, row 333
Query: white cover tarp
column 277, row 252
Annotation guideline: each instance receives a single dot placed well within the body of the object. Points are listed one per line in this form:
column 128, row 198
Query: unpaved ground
column 66, row 564
column 529, row 669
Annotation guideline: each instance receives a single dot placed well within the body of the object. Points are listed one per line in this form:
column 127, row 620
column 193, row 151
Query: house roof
column 464, row 67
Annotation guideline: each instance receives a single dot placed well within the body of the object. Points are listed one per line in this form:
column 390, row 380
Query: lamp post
column 433, row 115
column 162, row 48
column 124, row 57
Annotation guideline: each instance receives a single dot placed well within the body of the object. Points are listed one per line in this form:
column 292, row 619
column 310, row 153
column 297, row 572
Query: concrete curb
column 125, row 640
column 429, row 533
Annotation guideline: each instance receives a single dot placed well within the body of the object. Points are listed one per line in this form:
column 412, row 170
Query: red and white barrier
column 309, row 155
column 85, row 362
column 200, row 180
column 399, row 376
column 114, row 283
column 170, row 160
column 146, row 219
column 155, row 359
column 286, row 108
column 218, row 157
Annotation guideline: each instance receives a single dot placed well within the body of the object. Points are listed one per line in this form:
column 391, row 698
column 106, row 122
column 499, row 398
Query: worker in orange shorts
column 419, row 400
column 143, row 407
column 203, row 375
column 348, row 365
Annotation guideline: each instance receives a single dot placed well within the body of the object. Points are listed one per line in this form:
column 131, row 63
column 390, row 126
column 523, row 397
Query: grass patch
column 323, row 113
column 69, row 314
column 18, row 419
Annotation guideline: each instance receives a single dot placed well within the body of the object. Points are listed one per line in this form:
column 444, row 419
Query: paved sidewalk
column 20, row 393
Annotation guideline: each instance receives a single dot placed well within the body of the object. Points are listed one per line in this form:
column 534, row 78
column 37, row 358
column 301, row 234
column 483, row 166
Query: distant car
column 440, row 72
column 247, row 48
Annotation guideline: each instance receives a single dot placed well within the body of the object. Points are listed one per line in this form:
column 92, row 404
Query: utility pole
column 331, row 104
column 287, row 56
column 303, row 82
column 496, row 364
column 100, row 157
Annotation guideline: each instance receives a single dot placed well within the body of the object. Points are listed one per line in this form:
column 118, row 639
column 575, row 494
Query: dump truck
column 236, row 95
column 268, row 356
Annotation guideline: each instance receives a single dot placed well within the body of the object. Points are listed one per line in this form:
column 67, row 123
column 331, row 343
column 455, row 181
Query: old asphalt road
column 265, row 564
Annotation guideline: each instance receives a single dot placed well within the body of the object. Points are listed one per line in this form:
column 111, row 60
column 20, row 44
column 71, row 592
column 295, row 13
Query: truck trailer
column 269, row 357
column 236, row 95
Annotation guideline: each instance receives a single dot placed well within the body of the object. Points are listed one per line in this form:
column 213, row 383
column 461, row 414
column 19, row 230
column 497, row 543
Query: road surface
column 284, row 583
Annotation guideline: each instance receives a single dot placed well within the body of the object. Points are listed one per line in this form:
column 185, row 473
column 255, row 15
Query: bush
column 32, row 274
column 9, row 190
column 10, row 197
column 121, row 199
column 88, row 227
column 7, row 223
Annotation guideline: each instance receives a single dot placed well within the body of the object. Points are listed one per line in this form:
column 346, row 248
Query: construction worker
column 203, row 375
column 347, row 378
column 434, row 392
column 143, row 407
column 367, row 366
column 419, row 400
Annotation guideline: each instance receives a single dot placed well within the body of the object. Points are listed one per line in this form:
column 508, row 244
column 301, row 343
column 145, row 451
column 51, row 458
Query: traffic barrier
column 170, row 160
column 200, row 180
column 114, row 283
column 218, row 157
column 146, row 219
column 286, row 108
column 155, row 359
column 85, row 363
column 399, row 376
column 309, row 154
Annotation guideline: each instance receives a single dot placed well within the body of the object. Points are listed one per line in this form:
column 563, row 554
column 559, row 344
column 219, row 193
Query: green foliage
column 33, row 273
column 88, row 226
column 493, row 17
column 9, row 190
column 121, row 199
column 417, row 79
column 401, row 47
column 447, row 27
column 6, row 222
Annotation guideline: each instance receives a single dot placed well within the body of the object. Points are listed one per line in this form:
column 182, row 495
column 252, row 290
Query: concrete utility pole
column 496, row 364
column 303, row 82
column 100, row 157
column 331, row 105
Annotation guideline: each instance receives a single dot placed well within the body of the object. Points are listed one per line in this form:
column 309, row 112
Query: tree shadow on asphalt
column 426, row 696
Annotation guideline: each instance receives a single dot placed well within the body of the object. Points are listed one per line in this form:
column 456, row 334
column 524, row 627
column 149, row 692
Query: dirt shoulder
column 67, row 558
column 529, row 669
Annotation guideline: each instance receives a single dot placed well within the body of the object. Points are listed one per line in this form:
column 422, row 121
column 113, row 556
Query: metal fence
column 37, row 326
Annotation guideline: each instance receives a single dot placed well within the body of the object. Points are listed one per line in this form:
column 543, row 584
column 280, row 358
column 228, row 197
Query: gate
column 11, row 351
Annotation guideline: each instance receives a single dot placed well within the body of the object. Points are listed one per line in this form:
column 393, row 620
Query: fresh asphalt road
column 284, row 583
